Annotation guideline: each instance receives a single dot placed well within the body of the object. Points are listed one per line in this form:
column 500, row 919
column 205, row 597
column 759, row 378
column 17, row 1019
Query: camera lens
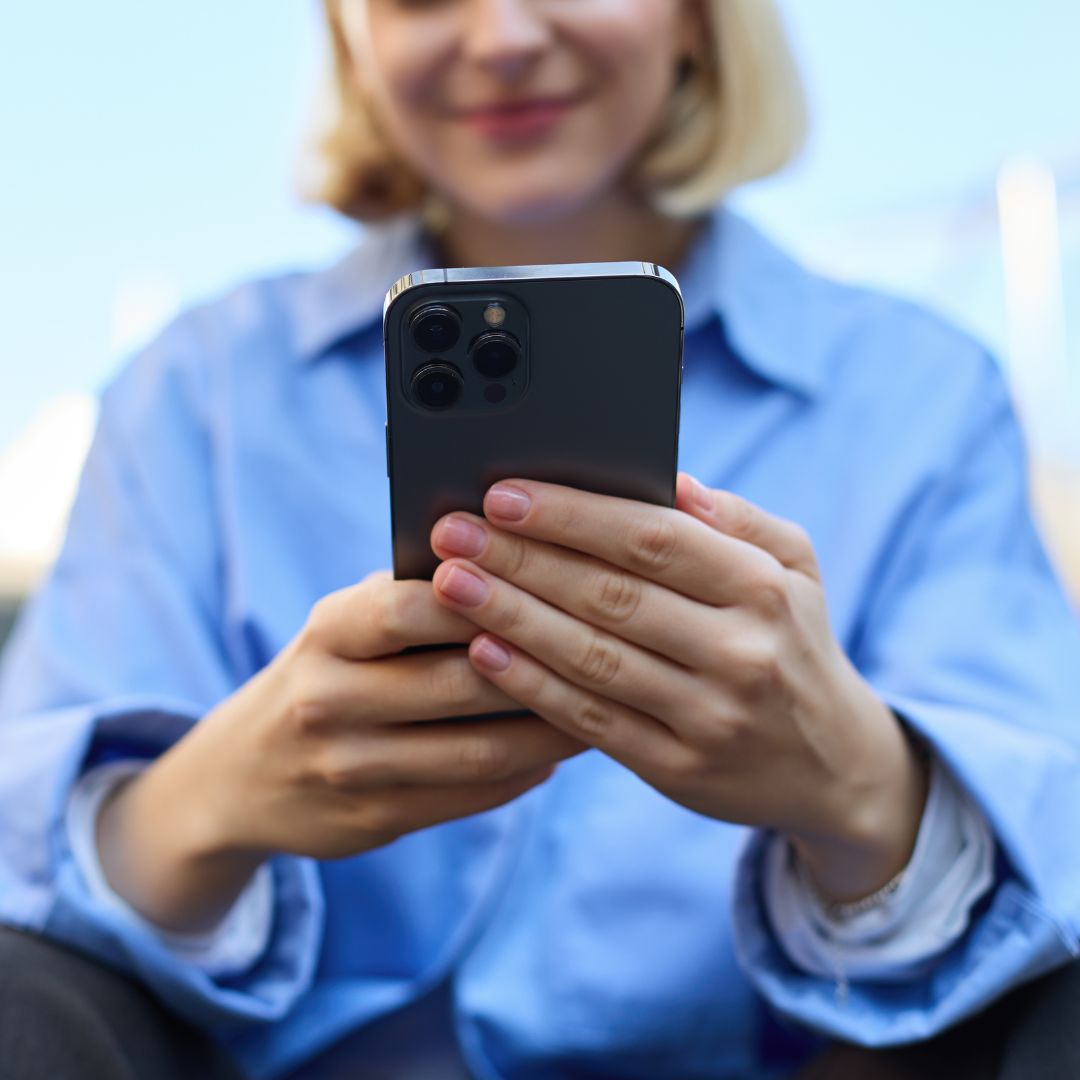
column 437, row 386
column 436, row 328
column 495, row 354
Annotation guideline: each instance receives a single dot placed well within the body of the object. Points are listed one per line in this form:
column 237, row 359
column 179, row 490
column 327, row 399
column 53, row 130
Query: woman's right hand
column 323, row 753
column 328, row 751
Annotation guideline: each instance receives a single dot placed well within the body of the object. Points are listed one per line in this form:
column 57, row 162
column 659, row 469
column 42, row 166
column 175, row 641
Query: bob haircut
column 737, row 113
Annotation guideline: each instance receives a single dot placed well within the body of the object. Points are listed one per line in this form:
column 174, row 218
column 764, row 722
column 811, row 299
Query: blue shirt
column 237, row 474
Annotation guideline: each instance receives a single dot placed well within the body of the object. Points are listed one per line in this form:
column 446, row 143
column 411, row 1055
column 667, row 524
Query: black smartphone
column 569, row 374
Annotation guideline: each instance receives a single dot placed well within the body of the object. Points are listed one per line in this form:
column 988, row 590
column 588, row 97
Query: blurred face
column 519, row 110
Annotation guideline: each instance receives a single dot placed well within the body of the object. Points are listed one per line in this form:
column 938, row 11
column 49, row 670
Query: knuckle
column 592, row 719
column 758, row 670
column 453, row 682
column 740, row 516
column 598, row 661
column 321, row 617
column 533, row 686
column 377, row 819
column 613, row 595
column 311, row 715
column 483, row 758
column 801, row 538
column 690, row 764
column 804, row 545
column 517, row 557
column 514, row 616
column 652, row 542
column 392, row 608
column 769, row 590
column 722, row 729
column 566, row 517
column 334, row 773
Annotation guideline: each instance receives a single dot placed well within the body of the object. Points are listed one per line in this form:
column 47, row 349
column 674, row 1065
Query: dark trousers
column 65, row 1016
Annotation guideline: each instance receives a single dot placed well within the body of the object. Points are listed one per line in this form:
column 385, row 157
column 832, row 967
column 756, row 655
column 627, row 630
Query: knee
column 51, row 1023
column 68, row 1016
column 1043, row 1037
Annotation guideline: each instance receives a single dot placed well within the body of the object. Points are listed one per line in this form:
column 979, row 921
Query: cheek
column 637, row 57
column 399, row 68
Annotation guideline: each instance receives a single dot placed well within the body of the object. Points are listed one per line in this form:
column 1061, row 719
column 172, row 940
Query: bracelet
column 838, row 910
column 841, row 910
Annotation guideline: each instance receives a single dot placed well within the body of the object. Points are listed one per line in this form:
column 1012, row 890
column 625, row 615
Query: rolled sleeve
column 971, row 640
column 897, row 937
column 228, row 948
column 119, row 652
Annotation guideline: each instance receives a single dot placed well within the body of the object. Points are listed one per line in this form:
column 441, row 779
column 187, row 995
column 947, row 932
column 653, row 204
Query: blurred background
column 149, row 157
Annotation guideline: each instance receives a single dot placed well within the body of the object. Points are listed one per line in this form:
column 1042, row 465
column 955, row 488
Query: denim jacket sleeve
column 971, row 640
column 117, row 654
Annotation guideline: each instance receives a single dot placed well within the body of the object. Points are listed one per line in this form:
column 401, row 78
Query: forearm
column 160, row 848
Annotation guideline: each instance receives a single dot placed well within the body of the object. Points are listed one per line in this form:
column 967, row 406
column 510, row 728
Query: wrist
column 162, row 848
column 872, row 836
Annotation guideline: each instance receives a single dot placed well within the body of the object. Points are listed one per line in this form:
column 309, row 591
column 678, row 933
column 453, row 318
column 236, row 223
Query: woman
column 827, row 699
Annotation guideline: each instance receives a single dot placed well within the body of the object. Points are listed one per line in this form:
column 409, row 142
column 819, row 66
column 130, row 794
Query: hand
column 691, row 644
column 320, row 753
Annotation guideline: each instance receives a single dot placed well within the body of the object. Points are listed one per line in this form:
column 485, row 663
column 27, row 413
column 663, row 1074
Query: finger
column 485, row 751
column 737, row 517
column 660, row 543
column 628, row 736
column 412, row 809
column 380, row 617
column 632, row 607
column 398, row 689
column 591, row 658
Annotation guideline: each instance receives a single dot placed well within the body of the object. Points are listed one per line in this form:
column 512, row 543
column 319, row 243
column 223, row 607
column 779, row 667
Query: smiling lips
column 518, row 121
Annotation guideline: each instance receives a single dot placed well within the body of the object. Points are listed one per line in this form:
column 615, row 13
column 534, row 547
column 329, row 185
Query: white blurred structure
column 1035, row 302
column 39, row 473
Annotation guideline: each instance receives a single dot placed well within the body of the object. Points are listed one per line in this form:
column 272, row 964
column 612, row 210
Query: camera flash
column 494, row 315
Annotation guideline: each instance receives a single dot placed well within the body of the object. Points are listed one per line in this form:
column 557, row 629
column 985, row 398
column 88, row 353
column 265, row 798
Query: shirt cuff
column 229, row 948
column 951, row 867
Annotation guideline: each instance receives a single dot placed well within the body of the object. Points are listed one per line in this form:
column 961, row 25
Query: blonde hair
column 737, row 114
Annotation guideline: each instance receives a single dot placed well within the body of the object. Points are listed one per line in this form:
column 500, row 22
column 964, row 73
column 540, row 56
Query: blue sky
column 146, row 151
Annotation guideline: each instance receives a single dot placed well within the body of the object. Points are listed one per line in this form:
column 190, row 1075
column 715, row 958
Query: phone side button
column 386, row 429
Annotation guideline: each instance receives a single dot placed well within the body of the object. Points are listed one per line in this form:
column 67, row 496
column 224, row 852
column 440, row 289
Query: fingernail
column 464, row 587
column 509, row 503
column 702, row 495
column 461, row 536
column 491, row 654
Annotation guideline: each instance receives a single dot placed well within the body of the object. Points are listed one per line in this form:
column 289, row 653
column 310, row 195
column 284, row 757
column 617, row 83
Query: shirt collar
column 347, row 297
column 779, row 319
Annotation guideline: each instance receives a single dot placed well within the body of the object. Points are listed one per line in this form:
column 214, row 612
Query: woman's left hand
column 692, row 644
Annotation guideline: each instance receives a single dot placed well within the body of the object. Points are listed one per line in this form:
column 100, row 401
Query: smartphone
column 569, row 374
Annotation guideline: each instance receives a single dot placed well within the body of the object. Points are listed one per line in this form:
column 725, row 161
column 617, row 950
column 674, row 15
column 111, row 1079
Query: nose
column 505, row 37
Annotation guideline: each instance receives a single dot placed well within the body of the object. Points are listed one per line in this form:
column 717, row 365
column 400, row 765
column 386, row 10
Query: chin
column 520, row 205
column 526, row 192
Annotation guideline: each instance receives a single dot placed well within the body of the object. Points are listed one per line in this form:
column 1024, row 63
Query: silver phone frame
column 552, row 271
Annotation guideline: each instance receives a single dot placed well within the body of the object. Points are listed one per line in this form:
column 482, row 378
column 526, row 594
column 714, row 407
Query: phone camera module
column 437, row 386
column 436, row 328
column 495, row 353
